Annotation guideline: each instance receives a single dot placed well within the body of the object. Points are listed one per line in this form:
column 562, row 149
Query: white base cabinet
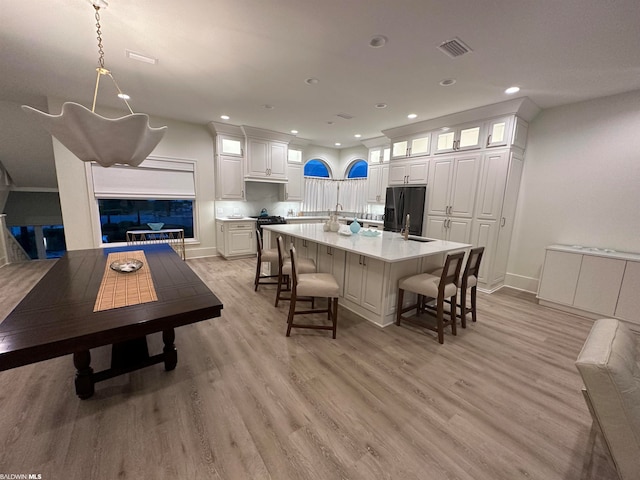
column 331, row 260
column 236, row 238
column 592, row 282
column 363, row 281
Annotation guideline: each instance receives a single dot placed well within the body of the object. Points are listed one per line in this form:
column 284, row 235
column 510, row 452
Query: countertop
column 389, row 246
column 597, row 252
column 240, row 219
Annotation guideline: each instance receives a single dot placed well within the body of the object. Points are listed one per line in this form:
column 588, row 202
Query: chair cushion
column 426, row 284
column 270, row 255
column 472, row 281
column 609, row 364
column 317, row 285
column 305, row 265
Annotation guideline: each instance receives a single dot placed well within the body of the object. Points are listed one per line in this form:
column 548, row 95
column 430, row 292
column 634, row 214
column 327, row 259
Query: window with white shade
column 157, row 192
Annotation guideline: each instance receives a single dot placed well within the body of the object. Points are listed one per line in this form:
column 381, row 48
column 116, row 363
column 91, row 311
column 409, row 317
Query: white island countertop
column 389, row 247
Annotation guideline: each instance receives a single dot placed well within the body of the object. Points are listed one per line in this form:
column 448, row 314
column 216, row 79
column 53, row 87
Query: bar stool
column 312, row 285
column 305, row 265
column 269, row 255
column 468, row 284
column 431, row 287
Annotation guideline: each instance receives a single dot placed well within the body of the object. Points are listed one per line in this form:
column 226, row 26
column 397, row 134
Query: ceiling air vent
column 346, row 116
column 454, row 47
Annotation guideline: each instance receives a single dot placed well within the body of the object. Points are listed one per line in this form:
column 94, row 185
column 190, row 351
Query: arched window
column 316, row 168
column 358, row 169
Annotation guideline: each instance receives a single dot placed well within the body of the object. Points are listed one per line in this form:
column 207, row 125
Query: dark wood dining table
column 56, row 317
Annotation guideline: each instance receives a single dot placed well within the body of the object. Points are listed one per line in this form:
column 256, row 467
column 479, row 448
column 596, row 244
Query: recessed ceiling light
column 330, row 123
column 312, row 81
column 357, row 135
column 512, row 90
column 378, row 41
column 447, row 82
column 124, row 96
column 445, row 129
column 295, row 132
column 337, row 144
column 412, row 116
column 381, row 105
column 268, row 107
column 225, row 117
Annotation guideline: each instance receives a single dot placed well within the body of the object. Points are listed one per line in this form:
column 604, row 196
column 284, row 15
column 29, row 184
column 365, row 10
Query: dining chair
column 305, row 265
column 430, row 287
column 312, row 285
column 268, row 255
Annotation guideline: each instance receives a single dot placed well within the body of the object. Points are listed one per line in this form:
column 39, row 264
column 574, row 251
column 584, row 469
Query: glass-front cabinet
column 464, row 137
column 498, row 132
column 379, row 155
column 414, row 146
column 229, row 145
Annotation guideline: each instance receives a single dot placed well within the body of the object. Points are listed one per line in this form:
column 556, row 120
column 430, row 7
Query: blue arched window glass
column 358, row 169
column 316, row 168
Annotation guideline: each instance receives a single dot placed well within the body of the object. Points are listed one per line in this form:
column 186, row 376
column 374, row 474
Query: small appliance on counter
column 264, row 213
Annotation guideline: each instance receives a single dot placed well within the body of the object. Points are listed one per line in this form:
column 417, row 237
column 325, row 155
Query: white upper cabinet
column 413, row 146
column 231, row 146
column 229, row 178
column 293, row 189
column 266, row 159
column 499, row 132
column 463, row 137
column 377, row 182
column 379, row 155
column 409, row 172
column 452, row 185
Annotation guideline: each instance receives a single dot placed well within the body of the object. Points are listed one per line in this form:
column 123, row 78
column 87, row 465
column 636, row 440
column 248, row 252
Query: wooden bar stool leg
column 454, row 318
column 463, row 307
column 473, row 304
column 439, row 317
column 399, row 307
column 292, row 309
column 334, row 316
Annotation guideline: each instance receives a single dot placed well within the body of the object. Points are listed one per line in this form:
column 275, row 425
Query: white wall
column 348, row 155
column 581, row 183
column 182, row 141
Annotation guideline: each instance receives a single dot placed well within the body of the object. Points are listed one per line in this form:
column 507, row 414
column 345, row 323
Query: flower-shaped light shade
column 93, row 138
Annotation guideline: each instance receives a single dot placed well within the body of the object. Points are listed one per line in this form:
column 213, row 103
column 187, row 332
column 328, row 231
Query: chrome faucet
column 405, row 230
column 338, row 205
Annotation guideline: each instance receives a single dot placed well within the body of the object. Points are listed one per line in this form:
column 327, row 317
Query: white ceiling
column 234, row 56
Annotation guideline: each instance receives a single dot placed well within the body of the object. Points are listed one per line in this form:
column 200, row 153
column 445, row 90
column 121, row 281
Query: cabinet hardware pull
column 489, row 140
column 364, row 261
column 503, row 222
column 222, row 228
column 359, row 259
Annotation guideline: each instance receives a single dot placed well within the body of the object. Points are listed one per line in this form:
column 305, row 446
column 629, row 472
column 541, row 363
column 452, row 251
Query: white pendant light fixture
column 92, row 138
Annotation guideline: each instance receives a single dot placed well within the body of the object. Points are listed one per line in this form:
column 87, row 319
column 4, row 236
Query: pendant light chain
column 100, row 50
column 101, row 70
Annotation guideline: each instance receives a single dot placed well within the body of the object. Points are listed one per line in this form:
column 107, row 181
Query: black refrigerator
column 401, row 201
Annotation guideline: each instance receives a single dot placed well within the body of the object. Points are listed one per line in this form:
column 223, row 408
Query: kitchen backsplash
column 266, row 195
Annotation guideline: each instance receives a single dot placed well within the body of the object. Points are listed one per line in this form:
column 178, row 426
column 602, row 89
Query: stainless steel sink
column 416, row 238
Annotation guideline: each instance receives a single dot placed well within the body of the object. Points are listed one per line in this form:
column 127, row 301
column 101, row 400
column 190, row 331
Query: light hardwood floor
column 499, row 401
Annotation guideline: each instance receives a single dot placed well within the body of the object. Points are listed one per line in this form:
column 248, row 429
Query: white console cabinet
column 592, row 282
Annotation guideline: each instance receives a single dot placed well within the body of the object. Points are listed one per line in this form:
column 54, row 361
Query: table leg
column 170, row 352
column 84, row 374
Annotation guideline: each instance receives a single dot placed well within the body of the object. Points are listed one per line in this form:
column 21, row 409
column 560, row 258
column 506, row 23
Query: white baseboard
column 201, row 252
column 520, row 282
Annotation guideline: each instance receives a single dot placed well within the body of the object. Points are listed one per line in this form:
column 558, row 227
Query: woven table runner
column 124, row 289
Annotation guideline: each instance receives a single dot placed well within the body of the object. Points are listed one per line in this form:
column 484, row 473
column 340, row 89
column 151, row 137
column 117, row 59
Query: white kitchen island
column 366, row 268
